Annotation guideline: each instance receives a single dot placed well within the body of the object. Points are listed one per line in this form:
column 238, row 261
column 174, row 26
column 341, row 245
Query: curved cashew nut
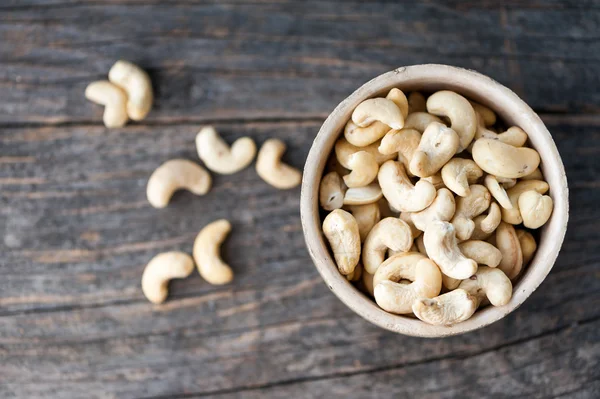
column 218, row 157
column 462, row 115
column 160, row 270
column 420, row 120
column 404, row 142
column 344, row 150
column 206, row 252
column 488, row 117
column 528, row 245
column 438, row 145
column 174, row 175
column 136, row 82
column 416, row 102
column 364, row 169
column 333, row 165
column 331, row 192
column 114, row 100
column 485, row 225
column 341, row 230
column 535, row 208
column 378, row 109
column 442, row 208
column 270, row 168
column 450, row 283
column 513, row 216
column 535, row 175
column 467, row 208
column 441, row 245
column 399, row 98
column 514, row 136
column 459, row 173
column 504, row 160
column 497, row 191
column 481, row 252
column 490, row 283
column 447, row 309
column 356, row 274
column 389, row 233
column 399, row 190
column 425, row 277
column 508, row 243
column 363, row 136
column 363, row 195
column 366, row 217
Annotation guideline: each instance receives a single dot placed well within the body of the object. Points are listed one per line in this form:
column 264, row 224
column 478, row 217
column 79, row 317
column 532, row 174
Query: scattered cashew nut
column 206, row 250
column 442, row 208
column 399, row 190
column 504, row 160
column 331, row 192
column 160, row 270
column 467, row 208
column 535, row 209
column 447, row 309
column 136, row 83
column 364, row 169
column 174, row 175
column 459, row 173
column 438, row 145
column 442, row 247
column 114, row 100
column 378, row 109
column 272, row 170
column 462, row 115
column 219, row 157
column 389, row 233
column 341, row 230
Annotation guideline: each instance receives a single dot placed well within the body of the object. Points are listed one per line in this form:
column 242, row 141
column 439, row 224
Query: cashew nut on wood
column 378, row 109
column 462, row 116
column 442, row 248
column 160, row 270
column 513, row 215
column 504, row 160
column 535, row 209
column 507, row 242
column 341, row 230
column 363, row 195
column 481, row 252
column 366, row 217
column 219, row 157
column 497, row 191
column 399, row 190
column 331, row 192
column 488, row 283
column 174, row 175
column 344, row 150
column 438, row 145
column 207, row 253
column 459, row 173
column 399, row 98
column 363, row 136
column 136, row 82
column 272, row 170
column 528, row 245
column 389, row 233
column 467, row 208
column 416, row 102
column 114, row 100
column 420, row 120
column 364, row 169
column 442, row 208
column 447, row 309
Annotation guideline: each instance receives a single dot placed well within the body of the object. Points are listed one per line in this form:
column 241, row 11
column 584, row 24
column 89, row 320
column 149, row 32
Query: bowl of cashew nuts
column 434, row 201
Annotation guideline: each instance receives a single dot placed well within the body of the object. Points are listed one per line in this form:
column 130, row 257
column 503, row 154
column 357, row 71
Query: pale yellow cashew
column 341, row 230
column 421, row 245
column 399, row 98
column 485, row 225
column 450, row 283
column 363, row 136
column 366, row 217
column 420, row 120
column 447, row 309
column 488, row 117
column 364, row 169
column 442, row 208
column 489, row 283
column 416, row 102
column 535, row 209
column 174, row 175
column 528, row 245
column 344, row 150
column 407, row 217
column 363, row 195
column 356, row 275
column 378, row 109
column 136, row 82
column 331, row 192
column 438, row 145
column 389, row 233
column 481, row 252
column 270, row 168
column 514, row 136
column 206, row 253
column 497, row 191
column 114, row 100
column 436, row 180
column 399, row 190
column 367, row 282
column 507, row 182
column 507, row 242
column 333, row 165
column 535, row 175
column 459, row 173
column 403, row 142
column 384, row 208
column 160, row 270
column 442, row 247
column 467, row 208
column 504, row 160
column 219, row 157
column 425, row 277
column 462, row 116
column 513, row 215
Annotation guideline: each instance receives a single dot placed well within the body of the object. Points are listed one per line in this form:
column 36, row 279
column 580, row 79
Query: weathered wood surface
column 77, row 230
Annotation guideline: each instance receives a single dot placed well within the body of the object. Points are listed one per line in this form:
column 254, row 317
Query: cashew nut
column 416, row 102
column 160, row 270
column 341, row 230
column 528, row 245
column 407, row 217
column 488, row 117
column 388, row 233
column 404, row 142
column 485, row 225
column 114, row 100
column 481, row 252
column 272, row 170
column 420, row 120
column 508, row 243
column 425, row 277
column 344, row 150
column 442, row 208
column 206, row 253
column 535, row 175
column 436, row 180
column 364, row 169
column 399, row 190
column 399, row 98
column 174, row 175
column 499, row 159
column 491, row 283
column 219, row 157
column 514, row 136
column 535, row 208
column 367, row 282
column 513, row 216
column 459, row 173
column 438, row 145
column 507, row 182
column 136, row 82
column 467, row 208
column 384, row 208
column 331, row 192
column 366, row 217
column 356, row 273
column 441, row 245
column 378, row 109
column 333, row 165
column 462, row 116
column 363, row 136
column 447, row 309
column 497, row 191
column 450, row 283
column 363, row 195
column 421, row 245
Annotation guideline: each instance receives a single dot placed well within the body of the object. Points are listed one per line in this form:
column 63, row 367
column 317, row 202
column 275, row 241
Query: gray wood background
column 77, row 230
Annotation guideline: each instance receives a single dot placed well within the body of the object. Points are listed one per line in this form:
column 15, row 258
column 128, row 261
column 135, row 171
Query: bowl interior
column 513, row 111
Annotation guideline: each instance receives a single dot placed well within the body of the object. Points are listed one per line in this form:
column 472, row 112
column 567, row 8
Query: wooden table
column 78, row 231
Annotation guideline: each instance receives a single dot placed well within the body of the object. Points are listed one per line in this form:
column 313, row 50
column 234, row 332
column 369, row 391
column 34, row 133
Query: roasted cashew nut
column 425, row 277
column 488, row 117
column 507, row 242
column 447, row 309
column 438, row 145
column 136, row 82
column 331, row 192
column 481, row 252
column 389, row 233
column 272, row 170
column 363, row 195
column 341, row 230
column 174, row 175
column 399, row 98
column 535, row 209
column 344, row 150
column 462, row 116
column 442, row 247
column 399, row 190
column 160, row 270
column 504, row 160
column 420, row 120
column 513, row 216
column 489, row 283
column 485, row 225
column 366, row 217
column 442, row 208
column 467, row 208
column 206, row 253
column 114, row 100
column 404, row 142
column 416, row 102
column 378, row 109
column 364, row 169
column 219, row 157
column 459, row 173
column 528, row 245
column 497, row 191
column 363, row 136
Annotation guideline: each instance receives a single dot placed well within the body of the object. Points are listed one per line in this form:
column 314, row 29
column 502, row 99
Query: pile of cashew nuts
column 423, row 196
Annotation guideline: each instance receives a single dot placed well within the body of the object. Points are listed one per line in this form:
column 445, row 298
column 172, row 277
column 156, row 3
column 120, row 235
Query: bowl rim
column 509, row 107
